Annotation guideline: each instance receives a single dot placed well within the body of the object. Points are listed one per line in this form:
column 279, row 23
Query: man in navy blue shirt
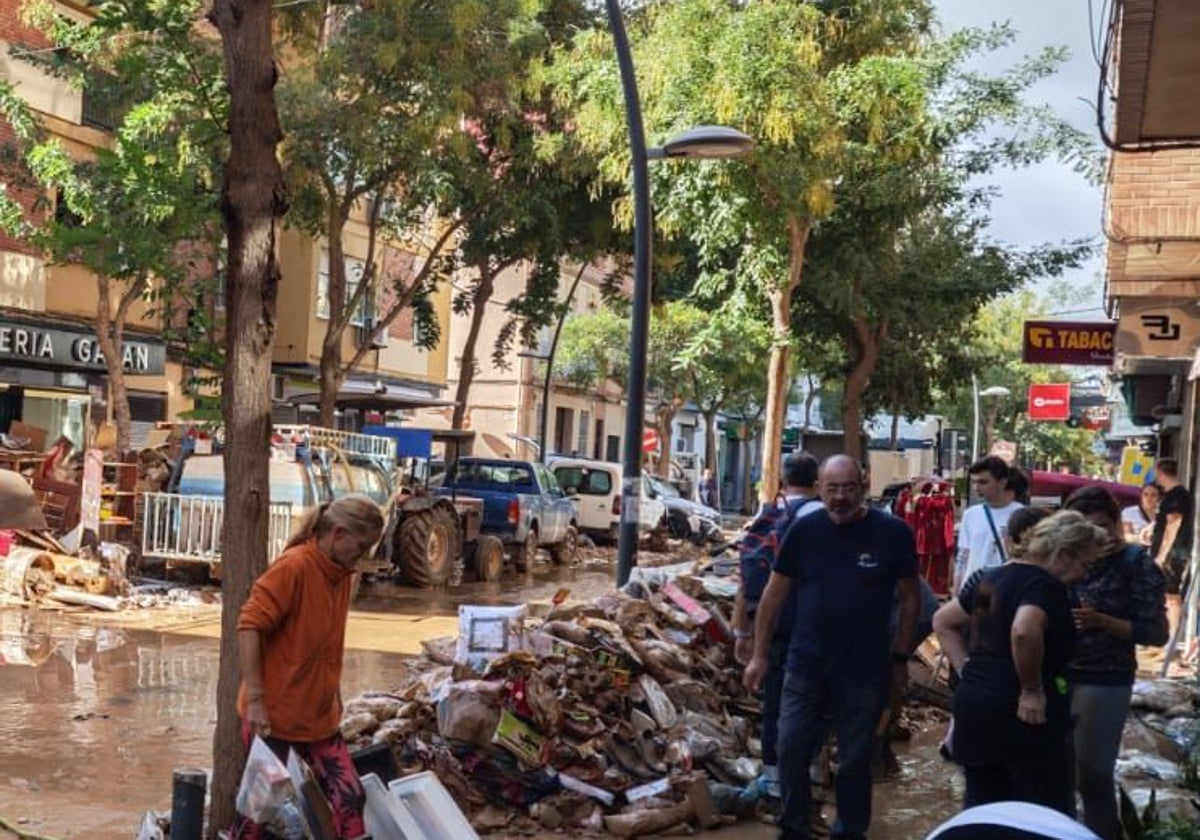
column 841, row 567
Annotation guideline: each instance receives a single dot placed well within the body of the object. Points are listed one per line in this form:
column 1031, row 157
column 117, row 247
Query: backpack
column 760, row 544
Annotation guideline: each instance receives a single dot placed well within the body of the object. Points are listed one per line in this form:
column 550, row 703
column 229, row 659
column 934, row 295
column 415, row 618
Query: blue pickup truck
column 522, row 505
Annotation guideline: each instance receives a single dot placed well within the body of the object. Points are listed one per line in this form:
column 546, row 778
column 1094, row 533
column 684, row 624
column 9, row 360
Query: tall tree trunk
column 894, row 443
column 110, row 332
column 466, row 368
column 864, row 349
column 664, row 417
column 777, row 369
column 252, row 202
column 331, row 370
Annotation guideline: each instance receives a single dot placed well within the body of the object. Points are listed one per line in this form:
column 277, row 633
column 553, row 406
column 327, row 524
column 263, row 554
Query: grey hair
column 356, row 513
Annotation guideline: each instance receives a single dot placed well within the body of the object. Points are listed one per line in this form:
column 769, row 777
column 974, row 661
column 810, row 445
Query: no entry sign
column 649, row 440
column 1050, row 402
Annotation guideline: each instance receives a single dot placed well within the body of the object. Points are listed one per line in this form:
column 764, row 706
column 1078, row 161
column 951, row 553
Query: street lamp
column 993, row 391
column 703, row 141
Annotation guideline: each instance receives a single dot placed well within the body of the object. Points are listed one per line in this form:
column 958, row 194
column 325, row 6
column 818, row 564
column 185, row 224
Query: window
column 585, row 481
column 354, row 271
column 104, row 101
column 585, row 420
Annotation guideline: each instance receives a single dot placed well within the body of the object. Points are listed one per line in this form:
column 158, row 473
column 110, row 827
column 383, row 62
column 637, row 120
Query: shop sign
column 65, row 348
column 1069, row 342
column 1050, row 402
column 1158, row 329
column 1005, row 450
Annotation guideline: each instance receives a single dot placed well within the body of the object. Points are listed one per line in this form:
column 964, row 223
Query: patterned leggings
column 334, row 771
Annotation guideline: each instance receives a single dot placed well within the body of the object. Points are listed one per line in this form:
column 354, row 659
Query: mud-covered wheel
column 489, row 559
column 526, row 554
column 426, row 547
column 678, row 526
column 565, row 552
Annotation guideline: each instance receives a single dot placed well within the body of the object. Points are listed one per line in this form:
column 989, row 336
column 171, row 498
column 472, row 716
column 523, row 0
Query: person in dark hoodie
column 1118, row 605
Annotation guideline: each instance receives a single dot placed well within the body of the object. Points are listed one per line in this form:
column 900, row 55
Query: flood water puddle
column 94, row 719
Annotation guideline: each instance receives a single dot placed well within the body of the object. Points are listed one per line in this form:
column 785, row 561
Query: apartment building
column 1153, row 213
column 51, row 373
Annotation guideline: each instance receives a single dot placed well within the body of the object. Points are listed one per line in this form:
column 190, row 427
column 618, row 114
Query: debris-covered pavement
column 620, row 714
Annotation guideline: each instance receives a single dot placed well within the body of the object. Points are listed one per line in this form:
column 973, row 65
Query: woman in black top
column 1009, row 634
column 1118, row 605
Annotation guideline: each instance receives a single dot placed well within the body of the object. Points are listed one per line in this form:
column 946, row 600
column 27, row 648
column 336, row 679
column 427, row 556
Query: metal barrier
column 188, row 528
column 374, row 446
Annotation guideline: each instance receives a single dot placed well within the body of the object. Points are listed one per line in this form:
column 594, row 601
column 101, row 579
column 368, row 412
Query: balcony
column 1152, row 59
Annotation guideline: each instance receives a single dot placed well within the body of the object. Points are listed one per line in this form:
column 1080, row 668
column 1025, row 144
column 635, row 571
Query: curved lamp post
column 993, row 391
column 703, row 141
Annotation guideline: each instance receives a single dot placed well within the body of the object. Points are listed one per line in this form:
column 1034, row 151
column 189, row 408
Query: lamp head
column 705, row 141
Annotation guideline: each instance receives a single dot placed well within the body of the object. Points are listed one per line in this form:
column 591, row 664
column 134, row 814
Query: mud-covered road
column 96, row 710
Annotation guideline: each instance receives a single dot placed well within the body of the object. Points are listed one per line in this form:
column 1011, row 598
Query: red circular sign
column 650, row 440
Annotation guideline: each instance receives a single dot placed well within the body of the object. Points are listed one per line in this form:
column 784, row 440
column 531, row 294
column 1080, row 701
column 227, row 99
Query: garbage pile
column 1160, row 749
column 623, row 714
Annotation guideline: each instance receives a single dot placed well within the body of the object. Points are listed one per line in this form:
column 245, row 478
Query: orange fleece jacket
column 299, row 607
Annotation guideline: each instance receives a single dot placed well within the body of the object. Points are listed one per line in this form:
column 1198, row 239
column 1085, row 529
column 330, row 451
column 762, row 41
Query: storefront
column 53, row 376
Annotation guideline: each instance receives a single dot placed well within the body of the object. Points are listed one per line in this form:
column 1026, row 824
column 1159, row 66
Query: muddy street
column 95, row 716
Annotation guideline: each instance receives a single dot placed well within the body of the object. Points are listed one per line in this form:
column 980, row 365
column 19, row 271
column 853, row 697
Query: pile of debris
column 624, row 714
column 1160, row 750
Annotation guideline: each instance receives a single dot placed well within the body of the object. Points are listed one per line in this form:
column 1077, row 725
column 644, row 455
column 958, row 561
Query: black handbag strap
column 987, row 511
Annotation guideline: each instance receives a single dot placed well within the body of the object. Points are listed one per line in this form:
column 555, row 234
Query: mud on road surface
column 94, row 716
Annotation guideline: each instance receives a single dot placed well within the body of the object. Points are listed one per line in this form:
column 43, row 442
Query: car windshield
column 664, row 489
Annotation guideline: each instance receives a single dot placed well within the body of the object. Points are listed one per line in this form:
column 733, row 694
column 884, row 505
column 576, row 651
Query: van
column 595, row 489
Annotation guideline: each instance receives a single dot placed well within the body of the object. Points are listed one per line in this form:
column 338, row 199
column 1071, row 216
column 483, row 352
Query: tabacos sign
column 1069, row 342
column 79, row 350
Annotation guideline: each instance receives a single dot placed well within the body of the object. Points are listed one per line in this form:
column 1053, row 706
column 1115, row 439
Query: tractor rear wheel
column 426, row 548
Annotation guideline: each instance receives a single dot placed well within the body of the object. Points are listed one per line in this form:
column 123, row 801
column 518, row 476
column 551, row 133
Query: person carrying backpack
column 757, row 553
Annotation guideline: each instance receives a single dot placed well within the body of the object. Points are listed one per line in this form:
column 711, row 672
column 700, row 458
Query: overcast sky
column 1050, row 201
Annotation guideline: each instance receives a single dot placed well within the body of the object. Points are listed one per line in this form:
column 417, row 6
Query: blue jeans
column 812, row 701
column 773, row 697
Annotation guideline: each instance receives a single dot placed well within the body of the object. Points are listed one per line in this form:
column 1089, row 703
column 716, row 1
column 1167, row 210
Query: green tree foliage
column 806, row 80
column 141, row 212
column 900, row 268
column 407, row 108
column 725, row 361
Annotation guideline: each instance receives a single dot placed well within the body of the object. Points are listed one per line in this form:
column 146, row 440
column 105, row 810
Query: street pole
column 975, row 426
column 635, row 407
column 543, row 431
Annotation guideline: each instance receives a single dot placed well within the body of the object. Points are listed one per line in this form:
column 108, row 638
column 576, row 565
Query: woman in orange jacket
column 291, row 634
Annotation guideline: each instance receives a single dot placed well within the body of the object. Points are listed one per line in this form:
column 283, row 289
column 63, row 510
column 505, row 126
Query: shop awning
column 375, row 396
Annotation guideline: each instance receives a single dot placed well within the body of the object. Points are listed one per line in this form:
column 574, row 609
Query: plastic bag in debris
column 265, row 786
column 150, row 828
column 655, row 577
column 469, row 712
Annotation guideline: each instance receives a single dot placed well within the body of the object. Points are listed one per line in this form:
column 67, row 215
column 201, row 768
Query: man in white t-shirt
column 981, row 532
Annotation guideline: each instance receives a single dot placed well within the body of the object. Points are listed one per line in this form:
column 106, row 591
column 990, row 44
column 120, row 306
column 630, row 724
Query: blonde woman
column 290, row 643
column 1010, row 635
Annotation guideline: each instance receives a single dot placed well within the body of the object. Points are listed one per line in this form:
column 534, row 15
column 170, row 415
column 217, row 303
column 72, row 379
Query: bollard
column 187, row 804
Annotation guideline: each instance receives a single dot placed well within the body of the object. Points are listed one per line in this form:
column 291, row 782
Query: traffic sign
column 650, row 440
